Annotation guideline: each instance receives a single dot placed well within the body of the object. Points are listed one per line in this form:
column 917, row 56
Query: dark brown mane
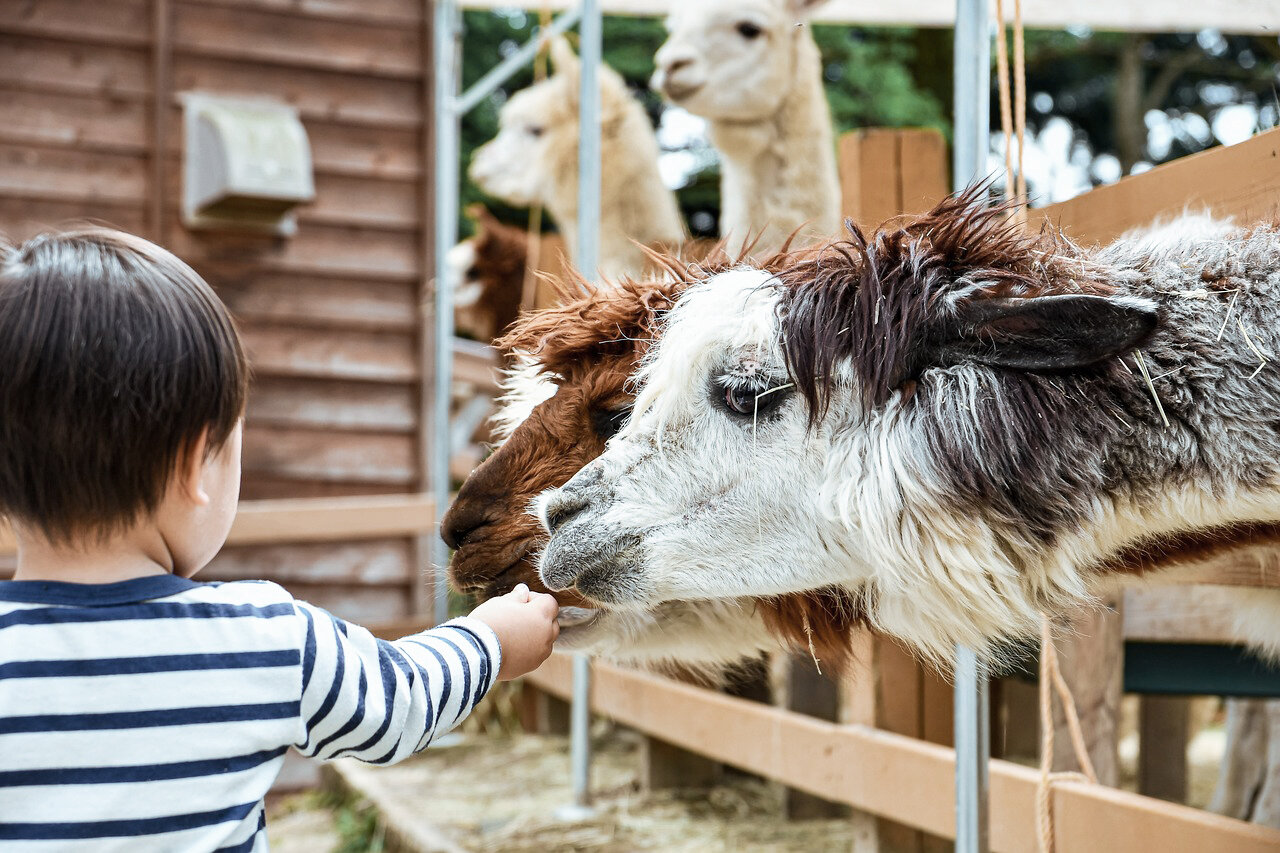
column 875, row 300
column 610, row 318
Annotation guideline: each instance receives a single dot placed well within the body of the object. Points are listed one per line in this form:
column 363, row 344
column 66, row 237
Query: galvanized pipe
column 588, row 262
column 972, row 706
column 502, row 72
column 446, row 32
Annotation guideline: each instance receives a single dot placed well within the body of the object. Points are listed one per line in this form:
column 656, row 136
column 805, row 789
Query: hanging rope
column 1013, row 123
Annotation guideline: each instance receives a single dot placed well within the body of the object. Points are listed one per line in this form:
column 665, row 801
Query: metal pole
column 446, row 32
column 588, row 261
column 972, row 708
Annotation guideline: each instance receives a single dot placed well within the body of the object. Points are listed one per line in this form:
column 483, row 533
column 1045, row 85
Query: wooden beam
column 316, row 520
column 1241, row 181
column 894, row 776
column 1181, row 614
column 1240, row 16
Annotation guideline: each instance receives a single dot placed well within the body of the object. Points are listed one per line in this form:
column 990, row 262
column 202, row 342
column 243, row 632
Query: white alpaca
column 534, row 160
column 751, row 68
column 950, row 421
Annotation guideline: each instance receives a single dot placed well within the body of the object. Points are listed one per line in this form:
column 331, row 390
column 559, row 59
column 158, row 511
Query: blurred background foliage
column 1100, row 105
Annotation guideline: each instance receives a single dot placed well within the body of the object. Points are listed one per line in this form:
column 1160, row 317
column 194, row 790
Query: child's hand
column 525, row 623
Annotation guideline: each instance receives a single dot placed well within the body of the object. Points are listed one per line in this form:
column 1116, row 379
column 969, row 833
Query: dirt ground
column 501, row 794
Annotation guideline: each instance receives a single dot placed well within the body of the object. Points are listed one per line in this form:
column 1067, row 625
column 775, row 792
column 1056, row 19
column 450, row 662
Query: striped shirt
column 154, row 713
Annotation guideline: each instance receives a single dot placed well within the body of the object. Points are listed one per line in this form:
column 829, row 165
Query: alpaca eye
column 534, row 131
column 741, row 400
column 749, row 31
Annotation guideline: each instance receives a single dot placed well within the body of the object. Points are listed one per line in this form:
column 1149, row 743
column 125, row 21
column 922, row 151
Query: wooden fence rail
column 897, row 777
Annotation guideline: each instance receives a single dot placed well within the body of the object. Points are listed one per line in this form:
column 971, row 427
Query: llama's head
column 875, row 418
column 534, row 157
column 568, row 395
column 732, row 59
column 487, row 273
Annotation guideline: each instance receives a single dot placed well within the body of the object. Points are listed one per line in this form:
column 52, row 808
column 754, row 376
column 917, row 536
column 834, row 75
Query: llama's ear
column 1057, row 332
column 804, row 8
column 563, row 59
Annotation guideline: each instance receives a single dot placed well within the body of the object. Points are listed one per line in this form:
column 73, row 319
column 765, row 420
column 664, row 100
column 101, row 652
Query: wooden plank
column 315, row 403
column 1091, row 657
column 924, row 178
column 869, row 176
column 29, row 171
column 261, row 487
column 1181, row 614
column 325, row 455
column 321, row 302
column 403, row 12
column 329, row 353
column 1240, row 16
column 317, row 250
column 283, row 38
column 382, row 152
column 88, row 122
column 1163, row 723
column 21, row 219
column 375, row 562
column 895, row 776
column 323, row 95
column 53, row 65
column 1240, row 181
column 317, row 520
column 121, row 22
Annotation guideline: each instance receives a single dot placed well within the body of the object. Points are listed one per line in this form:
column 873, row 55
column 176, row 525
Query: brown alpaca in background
column 487, row 273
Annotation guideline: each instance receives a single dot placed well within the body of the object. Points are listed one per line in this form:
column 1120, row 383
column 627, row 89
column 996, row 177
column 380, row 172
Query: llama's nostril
column 676, row 64
column 459, row 523
column 561, row 509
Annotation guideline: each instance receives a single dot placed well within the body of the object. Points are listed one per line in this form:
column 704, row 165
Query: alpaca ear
column 563, row 59
column 1056, row 332
column 804, row 8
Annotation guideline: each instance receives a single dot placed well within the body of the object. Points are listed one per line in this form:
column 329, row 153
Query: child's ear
column 191, row 470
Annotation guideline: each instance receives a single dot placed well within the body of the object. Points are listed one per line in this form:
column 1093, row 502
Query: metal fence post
column 972, row 708
column 445, row 51
column 588, row 262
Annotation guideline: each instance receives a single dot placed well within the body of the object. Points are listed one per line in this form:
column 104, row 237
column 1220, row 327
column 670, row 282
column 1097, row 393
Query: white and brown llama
column 534, row 160
column 752, row 69
column 961, row 425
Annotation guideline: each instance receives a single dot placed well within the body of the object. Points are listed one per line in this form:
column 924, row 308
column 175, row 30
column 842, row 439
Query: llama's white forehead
column 729, row 315
column 536, row 104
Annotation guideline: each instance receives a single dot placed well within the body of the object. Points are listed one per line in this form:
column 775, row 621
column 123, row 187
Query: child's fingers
column 520, row 593
column 546, row 604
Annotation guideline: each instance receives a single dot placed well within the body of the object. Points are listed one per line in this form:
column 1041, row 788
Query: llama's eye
column 607, row 422
column 751, row 402
column 748, row 30
column 741, row 400
column 534, row 130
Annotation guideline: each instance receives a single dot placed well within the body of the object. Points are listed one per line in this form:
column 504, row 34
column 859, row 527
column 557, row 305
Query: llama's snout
column 560, row 507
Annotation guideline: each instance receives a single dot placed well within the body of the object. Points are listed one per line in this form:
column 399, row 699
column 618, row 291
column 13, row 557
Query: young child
column 139, row 709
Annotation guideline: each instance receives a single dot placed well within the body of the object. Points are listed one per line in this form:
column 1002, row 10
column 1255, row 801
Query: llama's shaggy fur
column 487, row 275
column 751, row 68
column 534, row 160
column 949, row 419
column 567, row 394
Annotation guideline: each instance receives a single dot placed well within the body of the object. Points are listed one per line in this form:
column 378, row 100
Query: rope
column 1013, row 110
column 1051, row 680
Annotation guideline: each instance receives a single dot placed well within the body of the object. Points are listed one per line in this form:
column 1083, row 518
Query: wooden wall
column 329, row 316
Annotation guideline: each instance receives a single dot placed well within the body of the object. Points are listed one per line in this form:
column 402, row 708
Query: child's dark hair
column 114, row 357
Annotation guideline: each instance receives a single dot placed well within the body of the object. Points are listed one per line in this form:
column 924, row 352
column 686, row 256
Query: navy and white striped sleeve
column 381, row 701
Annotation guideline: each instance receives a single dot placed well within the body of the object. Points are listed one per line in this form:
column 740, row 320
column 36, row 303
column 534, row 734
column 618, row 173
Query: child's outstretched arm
column 382, row 701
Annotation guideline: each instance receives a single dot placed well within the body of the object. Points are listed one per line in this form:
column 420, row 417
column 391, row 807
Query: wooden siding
column 330, row 317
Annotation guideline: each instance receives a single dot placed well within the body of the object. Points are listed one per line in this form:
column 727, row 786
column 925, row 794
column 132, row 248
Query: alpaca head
column 534, row 157
column 879, row 417
column 732, row 59
column 487, row 273
column 568, row 395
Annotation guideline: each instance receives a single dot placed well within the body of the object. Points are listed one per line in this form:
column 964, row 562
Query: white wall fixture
column 246, row 164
